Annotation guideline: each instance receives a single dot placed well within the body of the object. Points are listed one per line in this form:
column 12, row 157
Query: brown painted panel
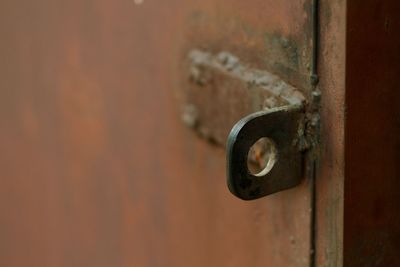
column 97, row 168
column 371, row 213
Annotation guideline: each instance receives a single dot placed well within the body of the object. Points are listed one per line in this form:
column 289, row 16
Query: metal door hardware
column 284, row 127
column 220, row 90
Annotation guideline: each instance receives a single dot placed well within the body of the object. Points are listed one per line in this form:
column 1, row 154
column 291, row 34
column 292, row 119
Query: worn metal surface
column 96, row 166
column 372, row 173
column 284, row 126
column 278, row 42
column 330, row 166
column 221, row 81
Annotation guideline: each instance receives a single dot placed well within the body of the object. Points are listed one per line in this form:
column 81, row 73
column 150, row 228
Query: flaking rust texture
column 221, row 89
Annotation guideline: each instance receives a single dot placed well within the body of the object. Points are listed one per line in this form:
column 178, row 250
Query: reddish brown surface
column 372, row 199
column 97, row 169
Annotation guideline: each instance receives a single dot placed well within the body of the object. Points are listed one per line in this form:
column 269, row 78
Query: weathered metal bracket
column 284, row 126
column 220, row 89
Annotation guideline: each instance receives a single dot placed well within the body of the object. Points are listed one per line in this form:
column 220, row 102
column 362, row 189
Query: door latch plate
column 282, row 125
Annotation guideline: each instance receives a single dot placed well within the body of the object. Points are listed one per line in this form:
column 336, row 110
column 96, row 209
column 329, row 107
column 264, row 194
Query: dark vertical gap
column 315, row 43
column 314, row 82
column 313, row 214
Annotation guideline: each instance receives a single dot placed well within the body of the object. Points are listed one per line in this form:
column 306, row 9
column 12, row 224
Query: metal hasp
column 284, row 127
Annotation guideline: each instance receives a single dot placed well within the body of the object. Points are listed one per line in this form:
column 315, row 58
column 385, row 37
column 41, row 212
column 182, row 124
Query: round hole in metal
column 262, row 157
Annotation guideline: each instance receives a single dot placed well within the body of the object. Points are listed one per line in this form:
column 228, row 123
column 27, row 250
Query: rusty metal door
column 97, row 166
